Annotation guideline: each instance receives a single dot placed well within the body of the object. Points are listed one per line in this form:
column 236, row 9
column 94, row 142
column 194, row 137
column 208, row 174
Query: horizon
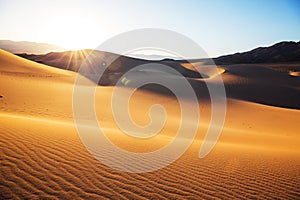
column 85, row 25
column 144, row 54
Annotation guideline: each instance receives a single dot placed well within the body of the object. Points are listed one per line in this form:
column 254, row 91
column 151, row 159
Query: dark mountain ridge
column 277, row 53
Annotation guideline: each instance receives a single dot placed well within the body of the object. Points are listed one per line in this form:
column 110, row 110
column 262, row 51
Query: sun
column 74, row 32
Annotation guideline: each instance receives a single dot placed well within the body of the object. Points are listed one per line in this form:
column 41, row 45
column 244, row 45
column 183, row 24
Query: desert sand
column 42, row 156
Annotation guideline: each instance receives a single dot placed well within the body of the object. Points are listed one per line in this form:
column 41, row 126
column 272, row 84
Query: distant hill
column 280, row 52
column 28, row 47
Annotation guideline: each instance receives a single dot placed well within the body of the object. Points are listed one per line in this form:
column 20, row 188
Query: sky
column 219, row 27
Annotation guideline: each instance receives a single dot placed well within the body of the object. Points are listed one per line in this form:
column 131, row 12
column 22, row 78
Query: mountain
column 280, row 52
column 28, row 47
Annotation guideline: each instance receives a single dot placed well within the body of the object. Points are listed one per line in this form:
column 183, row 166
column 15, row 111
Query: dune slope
column 42, row 156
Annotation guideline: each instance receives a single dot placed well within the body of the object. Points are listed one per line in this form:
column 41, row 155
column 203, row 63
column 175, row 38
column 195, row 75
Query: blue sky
column 220, row 27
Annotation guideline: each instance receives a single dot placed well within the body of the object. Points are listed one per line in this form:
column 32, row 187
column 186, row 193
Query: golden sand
column 42, row 156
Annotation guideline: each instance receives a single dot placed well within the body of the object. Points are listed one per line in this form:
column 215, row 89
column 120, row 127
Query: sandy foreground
column 42, row 156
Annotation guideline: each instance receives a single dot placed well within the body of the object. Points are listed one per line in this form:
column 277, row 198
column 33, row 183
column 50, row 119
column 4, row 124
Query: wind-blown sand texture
column 41, row 154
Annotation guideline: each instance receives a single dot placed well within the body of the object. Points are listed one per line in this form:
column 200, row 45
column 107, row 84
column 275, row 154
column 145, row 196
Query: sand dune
column 208, row 71
column 262, row 84
column 294, row 73
column 42, row 156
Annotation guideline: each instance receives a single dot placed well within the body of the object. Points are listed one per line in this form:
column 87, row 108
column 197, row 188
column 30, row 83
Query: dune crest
column 294, row 73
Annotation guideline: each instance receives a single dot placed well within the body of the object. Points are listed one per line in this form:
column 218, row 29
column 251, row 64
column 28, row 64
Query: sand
column 42, row 156
column 294, row 73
